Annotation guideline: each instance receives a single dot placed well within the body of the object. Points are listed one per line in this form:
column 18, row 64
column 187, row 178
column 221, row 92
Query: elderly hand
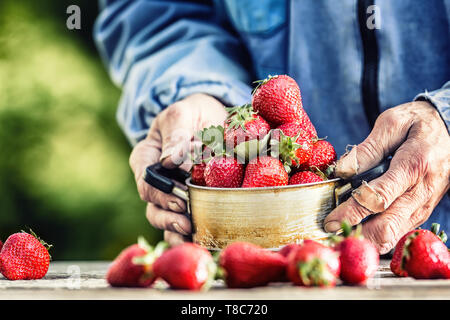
column 167, row 141
column 418, row 177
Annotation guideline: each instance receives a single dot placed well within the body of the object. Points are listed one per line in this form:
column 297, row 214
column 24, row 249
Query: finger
column 385, row 229
column 350, row 211
column 167, row 220
column 390, row 130
column 354, row 212
column 177, row 128
column 407, row 167
column 144, row 154
column 174, row 238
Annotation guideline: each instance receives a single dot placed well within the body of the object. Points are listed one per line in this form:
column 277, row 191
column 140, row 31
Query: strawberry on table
column 265, row 171
column 244, row 124
column 224, row 172
column 247, row 265
column 186, row 266
column 313, row 264
column 303, row 177
column 359, row 257
column 24, row 257
column 426, row 256
column 133, row 267
column 397, row 262
column 284, row 251
column 278, row 100
column 323, row 155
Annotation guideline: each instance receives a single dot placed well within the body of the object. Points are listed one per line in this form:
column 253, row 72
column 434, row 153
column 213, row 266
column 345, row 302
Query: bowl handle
column 162, row 179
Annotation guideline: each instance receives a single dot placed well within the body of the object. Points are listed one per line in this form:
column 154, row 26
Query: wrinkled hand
column 168, row 141
column 418, row 177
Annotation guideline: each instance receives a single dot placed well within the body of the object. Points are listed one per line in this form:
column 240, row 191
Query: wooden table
column 86, row 280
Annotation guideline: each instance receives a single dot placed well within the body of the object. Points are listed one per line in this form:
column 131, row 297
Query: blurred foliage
column 63, row 159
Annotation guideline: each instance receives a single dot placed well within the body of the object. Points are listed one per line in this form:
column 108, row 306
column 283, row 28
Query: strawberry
column 265, row 171
column 133, row 266
column 397, row 262
column 197, row 174
column 24, row 256
column 426, row 256
column 186, row 266
column 285, row 251
column 359, row 257
column 1, row 245
column 303, row 177
column 247, row 265
column 244, row 124
column 323, row 155
column 313, row 264
column 278, row 100
column 288, row 249
column 224, row 172
column 293, row 150
column 291, row 129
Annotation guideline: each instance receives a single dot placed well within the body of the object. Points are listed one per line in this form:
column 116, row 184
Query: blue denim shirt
column 160, row 51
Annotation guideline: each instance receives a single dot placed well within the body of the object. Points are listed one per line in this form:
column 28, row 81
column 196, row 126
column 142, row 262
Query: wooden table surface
column 86, row 280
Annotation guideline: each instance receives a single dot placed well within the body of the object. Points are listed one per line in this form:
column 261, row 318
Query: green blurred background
column 63, row 159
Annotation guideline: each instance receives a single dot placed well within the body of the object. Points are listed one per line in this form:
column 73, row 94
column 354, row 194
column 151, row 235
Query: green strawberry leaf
column 247, row 150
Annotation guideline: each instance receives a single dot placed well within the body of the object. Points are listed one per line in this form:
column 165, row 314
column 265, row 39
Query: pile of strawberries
column 288, row 150
column 24, row 256
column 188, row 266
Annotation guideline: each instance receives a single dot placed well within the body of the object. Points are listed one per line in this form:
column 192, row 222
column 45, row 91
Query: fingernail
column 174, row 206
column 177, row 227
column 332, row 226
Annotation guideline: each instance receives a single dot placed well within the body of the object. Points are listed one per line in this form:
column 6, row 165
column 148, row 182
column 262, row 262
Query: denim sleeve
column 162, row 51
column 440, row 98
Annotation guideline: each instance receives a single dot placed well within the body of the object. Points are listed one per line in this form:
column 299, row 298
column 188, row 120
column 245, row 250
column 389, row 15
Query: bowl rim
column 295, row 186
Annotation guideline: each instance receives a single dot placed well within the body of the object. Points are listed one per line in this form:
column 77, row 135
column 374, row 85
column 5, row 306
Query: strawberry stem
column 443, row 236
column 435, row 228
column 346, row 228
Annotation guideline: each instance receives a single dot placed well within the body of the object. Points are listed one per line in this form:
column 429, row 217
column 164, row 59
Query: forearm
column 166, row 55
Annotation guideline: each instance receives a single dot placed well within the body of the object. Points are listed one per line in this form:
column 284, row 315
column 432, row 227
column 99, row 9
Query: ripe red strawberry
column 24, row 257
column 294, row 150
column 288, row 249
column 133, row 267
column 244, row 124
column 285, row 251
column 186, row 266
column 224, row 172
column 278, row 99
column 426, row 256
column 313, row 264
column 247, row 265
column 397, row 262
column 197, row 174
column 323, row 155
column 291, row 129
column 304, row 177
column 359, row 257
column 265, row 172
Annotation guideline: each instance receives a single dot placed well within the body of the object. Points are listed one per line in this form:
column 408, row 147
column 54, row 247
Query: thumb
column 387, row 135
